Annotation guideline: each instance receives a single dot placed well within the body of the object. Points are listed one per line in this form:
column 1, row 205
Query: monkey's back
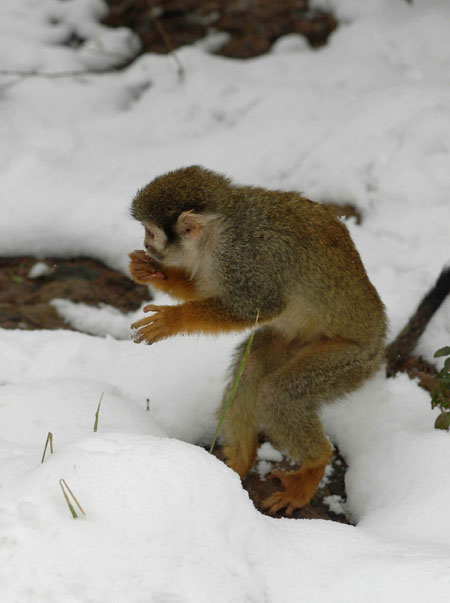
column 280, row 250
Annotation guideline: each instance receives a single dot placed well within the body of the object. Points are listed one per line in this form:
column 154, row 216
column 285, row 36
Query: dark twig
column 72, row 72
column 170, row 48
column 48, row 74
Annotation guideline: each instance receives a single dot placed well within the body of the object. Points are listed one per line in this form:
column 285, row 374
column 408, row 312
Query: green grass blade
column 98, row 412
column 64, row 486
column 48, row 441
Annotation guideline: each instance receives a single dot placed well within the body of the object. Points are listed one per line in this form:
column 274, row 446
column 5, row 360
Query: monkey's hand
column 164, row 322
column 144, row 270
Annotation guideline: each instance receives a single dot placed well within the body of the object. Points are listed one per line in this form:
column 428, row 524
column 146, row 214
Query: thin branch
column 170, row 48
column 71, row 72
column 49, row 74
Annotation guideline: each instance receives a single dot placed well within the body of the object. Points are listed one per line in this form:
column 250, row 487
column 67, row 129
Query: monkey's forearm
column 202, row 316
column 178, row 284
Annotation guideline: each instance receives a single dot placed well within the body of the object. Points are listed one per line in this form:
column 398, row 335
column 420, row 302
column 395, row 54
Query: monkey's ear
column 189, row 223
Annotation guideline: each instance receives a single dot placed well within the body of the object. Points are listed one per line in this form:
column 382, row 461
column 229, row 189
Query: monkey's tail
column 398, row 351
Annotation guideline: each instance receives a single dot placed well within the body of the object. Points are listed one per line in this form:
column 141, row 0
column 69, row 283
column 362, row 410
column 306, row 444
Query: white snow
column 266, row 452
column 335, row 504
column 103, row 320
column 364, row 120
column 39, row 269
column 265, row 458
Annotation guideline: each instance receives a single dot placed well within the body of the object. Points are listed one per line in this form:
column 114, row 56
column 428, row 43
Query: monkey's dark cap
column 190, row 188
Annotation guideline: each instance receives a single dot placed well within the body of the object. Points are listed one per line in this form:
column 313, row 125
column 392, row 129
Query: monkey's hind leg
column 289, row 404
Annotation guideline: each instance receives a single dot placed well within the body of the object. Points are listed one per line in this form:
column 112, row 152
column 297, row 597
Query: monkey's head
column 174, row 209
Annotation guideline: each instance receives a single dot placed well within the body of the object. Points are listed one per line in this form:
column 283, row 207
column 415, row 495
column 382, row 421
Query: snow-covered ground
column 365, row 120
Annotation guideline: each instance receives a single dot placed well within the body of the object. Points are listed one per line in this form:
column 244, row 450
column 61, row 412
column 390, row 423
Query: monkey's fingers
column 136, row 333
column 137, row 327
column 143, row 269
column 142, row 322
column 279, row 500
column 143, row 275
column 153, row 308
column 145, row 336
column 138, row 254
column 162, row 324
column 147, row 333
column 140, row 258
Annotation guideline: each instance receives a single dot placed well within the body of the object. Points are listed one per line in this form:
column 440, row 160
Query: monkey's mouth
column 153, row 253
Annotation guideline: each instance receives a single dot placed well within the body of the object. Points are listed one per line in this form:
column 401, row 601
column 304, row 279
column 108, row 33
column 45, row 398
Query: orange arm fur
column 202, row 316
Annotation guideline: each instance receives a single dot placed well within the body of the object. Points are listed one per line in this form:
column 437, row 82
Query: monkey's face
column 178, row 246
column 178, row 213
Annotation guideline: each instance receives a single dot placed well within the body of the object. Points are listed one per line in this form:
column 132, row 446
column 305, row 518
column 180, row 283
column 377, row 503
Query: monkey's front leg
column 202, row 316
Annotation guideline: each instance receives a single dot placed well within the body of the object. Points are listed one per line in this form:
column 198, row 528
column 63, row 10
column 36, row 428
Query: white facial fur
column 155, row 241
column 189, row 250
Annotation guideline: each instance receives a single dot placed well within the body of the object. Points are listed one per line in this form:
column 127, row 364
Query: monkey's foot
column 300, row 487
column 164, row 322
column 143, row 269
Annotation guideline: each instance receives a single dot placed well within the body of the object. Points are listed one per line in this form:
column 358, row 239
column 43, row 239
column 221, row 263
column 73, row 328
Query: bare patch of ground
column 25, row 301
column 252, row 25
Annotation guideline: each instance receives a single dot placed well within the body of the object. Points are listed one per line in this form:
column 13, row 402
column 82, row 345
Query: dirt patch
column 25, row 301
column 252, row 25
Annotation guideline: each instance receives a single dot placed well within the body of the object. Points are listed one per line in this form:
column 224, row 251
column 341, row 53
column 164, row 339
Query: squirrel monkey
column 231, row 252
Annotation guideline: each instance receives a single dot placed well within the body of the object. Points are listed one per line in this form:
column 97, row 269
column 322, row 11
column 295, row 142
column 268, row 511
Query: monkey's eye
column 149, row 234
